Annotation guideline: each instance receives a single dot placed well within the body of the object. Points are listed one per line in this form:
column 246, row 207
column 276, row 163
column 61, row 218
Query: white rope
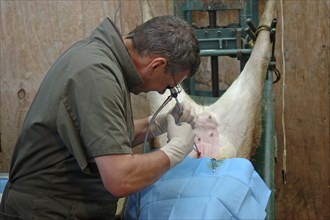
column 284, row 169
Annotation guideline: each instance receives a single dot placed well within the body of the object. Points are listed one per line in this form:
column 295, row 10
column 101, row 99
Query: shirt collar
column 109, row 34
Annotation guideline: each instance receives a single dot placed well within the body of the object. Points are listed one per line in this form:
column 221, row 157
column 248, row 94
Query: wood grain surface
column 34, row 33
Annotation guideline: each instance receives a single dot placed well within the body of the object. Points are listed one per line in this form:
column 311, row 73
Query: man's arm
column 128, row 173
column 141, row 126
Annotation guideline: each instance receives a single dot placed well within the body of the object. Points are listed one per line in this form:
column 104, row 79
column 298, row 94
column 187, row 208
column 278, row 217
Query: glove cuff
column 158, row 126
column 175, row 151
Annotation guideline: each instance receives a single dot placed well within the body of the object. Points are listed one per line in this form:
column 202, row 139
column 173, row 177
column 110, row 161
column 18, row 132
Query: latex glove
column 181, row 140
column 160, row 124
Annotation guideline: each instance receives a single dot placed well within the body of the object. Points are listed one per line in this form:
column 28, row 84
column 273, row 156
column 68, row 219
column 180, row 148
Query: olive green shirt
column 81, row 111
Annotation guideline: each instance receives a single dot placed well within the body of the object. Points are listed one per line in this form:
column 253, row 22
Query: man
column 73, row 158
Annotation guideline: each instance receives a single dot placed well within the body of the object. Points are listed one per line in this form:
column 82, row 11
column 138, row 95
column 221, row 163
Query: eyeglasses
column 175, row 83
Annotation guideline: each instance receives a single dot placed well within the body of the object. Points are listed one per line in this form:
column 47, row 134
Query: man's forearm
column 129, row 173
column 141, row 126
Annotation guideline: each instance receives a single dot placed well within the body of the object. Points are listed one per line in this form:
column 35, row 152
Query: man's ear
column 158, row 62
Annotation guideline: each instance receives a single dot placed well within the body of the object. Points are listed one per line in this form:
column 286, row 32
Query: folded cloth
column 203, row 189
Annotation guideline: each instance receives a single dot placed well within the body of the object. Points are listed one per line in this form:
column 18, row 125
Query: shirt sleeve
column 94, row 100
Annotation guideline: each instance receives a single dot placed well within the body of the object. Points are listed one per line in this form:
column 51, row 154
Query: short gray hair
column 171, row 38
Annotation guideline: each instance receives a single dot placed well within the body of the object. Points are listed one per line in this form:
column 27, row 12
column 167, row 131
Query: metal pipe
column 251, row 25
column 212, row 18
column 269, row 143
column 224, row 52
column 215, row 76
column 214, row 59
column 251, row 33
column 265, row 156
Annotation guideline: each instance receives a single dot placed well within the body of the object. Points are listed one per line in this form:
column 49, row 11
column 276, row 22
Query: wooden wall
column 306, row 194
column 34, row 33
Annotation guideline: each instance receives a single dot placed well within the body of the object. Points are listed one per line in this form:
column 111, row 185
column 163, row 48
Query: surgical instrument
column 174, row 93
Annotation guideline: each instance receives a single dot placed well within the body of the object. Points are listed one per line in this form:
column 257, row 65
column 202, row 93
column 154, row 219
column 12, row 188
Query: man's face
column 176, row 80
column 160, row 80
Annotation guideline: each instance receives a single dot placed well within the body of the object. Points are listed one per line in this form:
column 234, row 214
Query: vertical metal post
column 264, row 162
column 214, row 59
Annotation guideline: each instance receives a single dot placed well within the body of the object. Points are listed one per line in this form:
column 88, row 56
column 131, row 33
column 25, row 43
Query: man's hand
column 187, row 115
column 181, row 140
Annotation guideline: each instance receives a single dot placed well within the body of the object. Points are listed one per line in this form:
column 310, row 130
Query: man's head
column 168, row 43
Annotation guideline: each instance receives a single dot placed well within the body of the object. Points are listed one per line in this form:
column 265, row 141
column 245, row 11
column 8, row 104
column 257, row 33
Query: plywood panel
column 34, row 33
column 306, row 115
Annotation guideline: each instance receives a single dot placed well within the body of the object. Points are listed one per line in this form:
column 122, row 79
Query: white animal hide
column 231, row 126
